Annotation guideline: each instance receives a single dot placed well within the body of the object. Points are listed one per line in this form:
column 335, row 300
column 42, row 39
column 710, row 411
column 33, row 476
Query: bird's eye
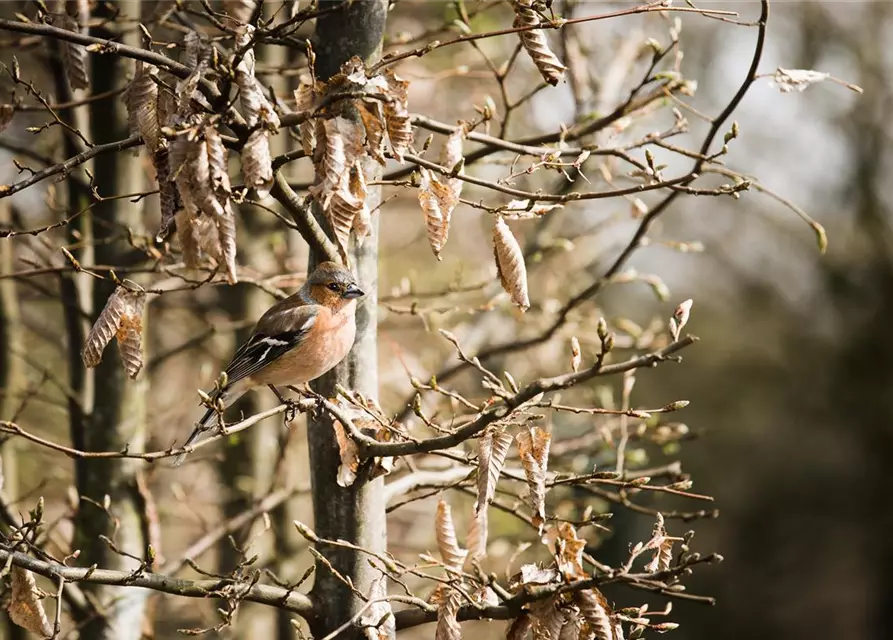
column 333, row 287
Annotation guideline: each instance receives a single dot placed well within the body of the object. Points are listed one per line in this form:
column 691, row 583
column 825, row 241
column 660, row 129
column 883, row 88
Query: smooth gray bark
column 355, row 513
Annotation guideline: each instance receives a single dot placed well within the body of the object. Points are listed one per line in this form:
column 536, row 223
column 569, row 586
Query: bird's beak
column 352, row 291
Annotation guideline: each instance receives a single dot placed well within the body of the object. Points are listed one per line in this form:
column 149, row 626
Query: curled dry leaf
column 396, row 112
column 448, row 627
column 662, row 545
column 568, row 550
column 305, row 103
column 7, row 112
column 74, row 56
column 350, row 458
column 257, row 163
column 122, row 317
column 451, row 156
column 493, row 448
column 533, row 447
column 255, row 106
column 453, row 555
column 196, row 58
column 437, row 200
column 343, row 146
column 347, row 205
column 520, row 627
column 510, row 264
column 25, row 608
column 141, row 100
column 535, row 43
column 597, row 614
column 372, row 115
column 550, row 617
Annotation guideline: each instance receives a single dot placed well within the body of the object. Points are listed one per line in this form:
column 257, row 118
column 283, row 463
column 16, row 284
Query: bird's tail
column 201, row 428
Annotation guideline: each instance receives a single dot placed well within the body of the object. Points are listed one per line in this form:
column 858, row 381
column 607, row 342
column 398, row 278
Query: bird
column 297, row 340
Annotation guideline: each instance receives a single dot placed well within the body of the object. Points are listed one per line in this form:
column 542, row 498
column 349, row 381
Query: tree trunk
column 355, row 513
column 118, row 415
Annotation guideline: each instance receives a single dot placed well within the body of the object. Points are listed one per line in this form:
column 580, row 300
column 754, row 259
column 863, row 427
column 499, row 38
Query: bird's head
column 332, row 285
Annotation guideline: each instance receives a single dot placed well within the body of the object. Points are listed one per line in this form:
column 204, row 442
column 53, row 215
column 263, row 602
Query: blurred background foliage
column 791, row 386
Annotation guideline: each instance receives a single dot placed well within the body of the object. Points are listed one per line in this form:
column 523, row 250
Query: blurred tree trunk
column 356, row 513
column 118, row 415
column 12, row 382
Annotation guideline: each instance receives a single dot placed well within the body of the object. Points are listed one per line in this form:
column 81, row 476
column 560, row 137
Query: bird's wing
column 277, row 333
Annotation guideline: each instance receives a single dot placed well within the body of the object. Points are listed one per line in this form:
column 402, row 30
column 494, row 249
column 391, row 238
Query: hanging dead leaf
column 305, row 103
column 493, row 449
column 343, row 146
column 533, row 447
column 168, row 195
column 372, row 115
column 257, row 163
column 535, row 43
column 396, row 112
column 25, row 608
column 123, row 308
column 350, row 457
column 550, row 617
column 346, row 205
column 520, row 627
column 437, row 200
column 478, row 532
column 255, row 106
column 448, row 627
column 510, row 264
column 662, row 545
column 130, row 334
column 568, row 550
column 196, row 57
column 453, row 556
column 451, row 157
column 74, row 56
column 597, row 614
column 141, row 100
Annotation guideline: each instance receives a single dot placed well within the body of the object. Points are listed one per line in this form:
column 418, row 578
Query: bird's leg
column 291, row 411
column 307, row 393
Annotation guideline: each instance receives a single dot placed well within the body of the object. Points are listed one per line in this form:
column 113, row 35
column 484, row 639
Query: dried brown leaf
column 396, row 112
column 597, row 614
column 167, row 101
column 346, row 205
column 121, row 316
column 141, row 100
column 451, row 156
column 168, row 195
column 372, row 115
column 510, row 264
column 343, row 146
column 533, row 447
column 130, row 334
column 568, row 550
column 257, row 163
column 453, row 556
column 305, row 103
column 350, row 457
column 7, row 113
column 662, row 545
column 533, row 574
column 535, row 43
column 478, row 531
column 74, row 56
column 448, row 627
column 493, row 448
column 549, row 618
column 25, row 607
column 437, row 200
column 255, row 106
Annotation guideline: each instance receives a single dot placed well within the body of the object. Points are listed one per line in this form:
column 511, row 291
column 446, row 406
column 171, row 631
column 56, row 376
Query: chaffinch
column 297, row 340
